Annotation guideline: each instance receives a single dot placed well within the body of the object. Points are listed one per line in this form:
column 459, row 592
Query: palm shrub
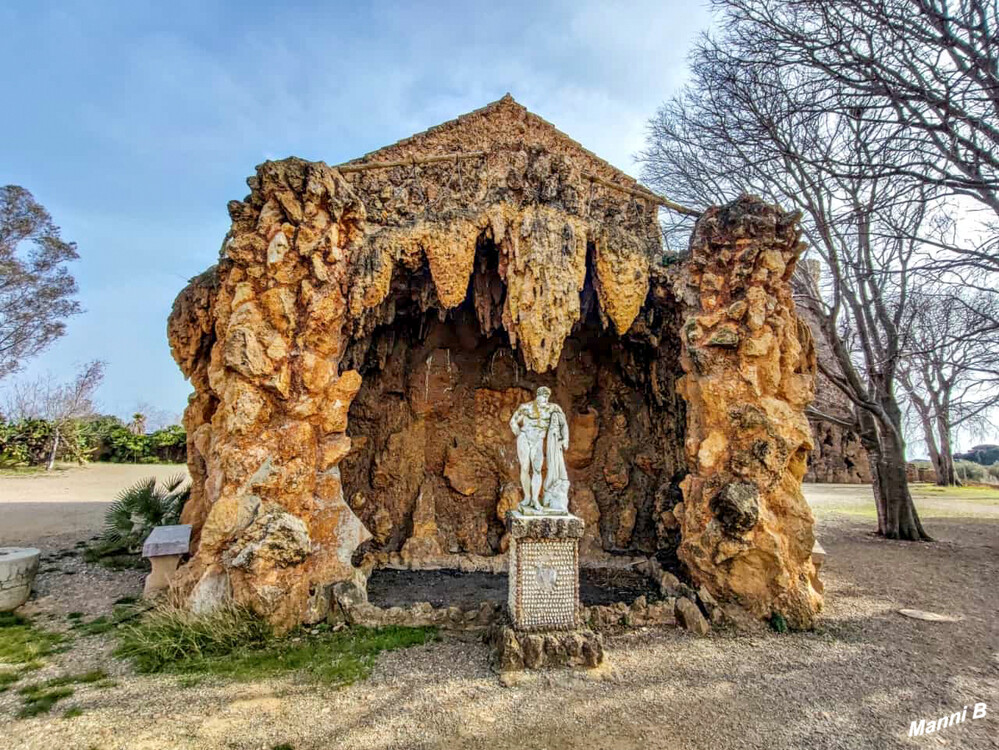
column 139, row 508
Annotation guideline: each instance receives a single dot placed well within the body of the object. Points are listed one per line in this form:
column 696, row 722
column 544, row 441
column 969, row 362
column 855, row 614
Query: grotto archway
column 485, row 255
column 432, row 469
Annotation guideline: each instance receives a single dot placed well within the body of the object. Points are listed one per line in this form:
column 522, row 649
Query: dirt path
column 67, row 504
column 856, row 682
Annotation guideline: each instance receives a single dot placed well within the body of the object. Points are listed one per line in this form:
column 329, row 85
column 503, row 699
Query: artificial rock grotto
column 368, row 330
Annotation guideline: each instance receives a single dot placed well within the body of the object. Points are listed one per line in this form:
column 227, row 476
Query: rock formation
column 369, row 328
column 746, row 529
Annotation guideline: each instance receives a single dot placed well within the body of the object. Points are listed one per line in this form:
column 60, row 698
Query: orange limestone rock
column 368, row 329
column 749, row 362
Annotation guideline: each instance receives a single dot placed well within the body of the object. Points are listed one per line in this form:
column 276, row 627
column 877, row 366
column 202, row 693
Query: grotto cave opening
column 433, row 465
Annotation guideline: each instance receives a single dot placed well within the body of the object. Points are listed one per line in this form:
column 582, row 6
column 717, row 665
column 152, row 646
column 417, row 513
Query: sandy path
column 66, row 503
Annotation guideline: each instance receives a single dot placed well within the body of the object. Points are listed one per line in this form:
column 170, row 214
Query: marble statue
column 542, row 435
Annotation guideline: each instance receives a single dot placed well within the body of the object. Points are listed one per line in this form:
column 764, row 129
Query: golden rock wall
column 746, row 529
column 323, row 269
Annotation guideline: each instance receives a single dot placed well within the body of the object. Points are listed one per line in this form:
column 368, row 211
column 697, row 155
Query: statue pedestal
column 543, row 600
column 544, row 571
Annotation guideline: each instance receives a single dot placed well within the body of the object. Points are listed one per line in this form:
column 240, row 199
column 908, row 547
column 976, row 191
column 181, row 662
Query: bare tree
column 928, row 72
column 947, row 370
column 36, row 290
column 58, row 403
column 745, row 127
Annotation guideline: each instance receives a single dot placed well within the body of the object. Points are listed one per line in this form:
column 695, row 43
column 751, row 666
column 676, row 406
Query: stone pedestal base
column 543, row 626
column 544, row 571
column 514, row 650
column 164, row 566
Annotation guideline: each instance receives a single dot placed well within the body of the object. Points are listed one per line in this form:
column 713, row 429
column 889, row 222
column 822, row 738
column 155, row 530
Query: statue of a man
column 542, row 435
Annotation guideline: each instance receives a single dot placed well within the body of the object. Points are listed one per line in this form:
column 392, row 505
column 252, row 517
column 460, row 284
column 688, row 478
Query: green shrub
column 138, row 509
column 110, row 439
column 778, row 623
column 28, row 442
column 970, row 471
column 169, row 444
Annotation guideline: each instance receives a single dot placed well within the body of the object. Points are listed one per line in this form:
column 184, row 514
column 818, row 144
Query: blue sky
column 134, row 123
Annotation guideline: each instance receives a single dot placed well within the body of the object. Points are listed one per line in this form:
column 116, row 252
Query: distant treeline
column 28, row 442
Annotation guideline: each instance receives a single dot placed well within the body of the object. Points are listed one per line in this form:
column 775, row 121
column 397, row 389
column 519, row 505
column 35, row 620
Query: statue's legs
column 537, row 461
column 524, row 456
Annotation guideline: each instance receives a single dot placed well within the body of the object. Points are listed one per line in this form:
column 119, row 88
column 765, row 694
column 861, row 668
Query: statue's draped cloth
column 558, row 429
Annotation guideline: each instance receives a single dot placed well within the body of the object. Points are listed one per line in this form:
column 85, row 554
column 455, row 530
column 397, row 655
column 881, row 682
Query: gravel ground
column 856, row 682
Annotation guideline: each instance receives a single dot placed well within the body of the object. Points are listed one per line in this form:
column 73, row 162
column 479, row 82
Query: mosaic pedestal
column 543, row 601
column 544, row 571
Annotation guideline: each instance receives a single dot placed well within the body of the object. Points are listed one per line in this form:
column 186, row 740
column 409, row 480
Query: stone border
column 521, row 526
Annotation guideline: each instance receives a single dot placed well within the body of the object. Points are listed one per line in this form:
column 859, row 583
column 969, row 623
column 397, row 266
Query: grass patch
column 232, row 643
column 23, row 643
column 7, row 679
column 96, row 626
column 40, row 698
column 40, row 701
column 126, row 600
column 27, row 471
column 121, row 613
column 189, row 681
column 74, row 616
column 72, row 713
column 85, row 678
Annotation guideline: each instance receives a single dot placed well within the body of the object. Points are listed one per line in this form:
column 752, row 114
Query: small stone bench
column 818, row 560
column 164, row 547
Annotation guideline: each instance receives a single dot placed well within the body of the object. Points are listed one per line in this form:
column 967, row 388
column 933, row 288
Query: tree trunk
column 901, row 519
column 949, row 477
column 897, row 517
column 55, row 449
column 936, row 459
column 871, row 441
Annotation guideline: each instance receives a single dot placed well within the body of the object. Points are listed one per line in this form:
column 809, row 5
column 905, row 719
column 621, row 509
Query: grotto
column 359, row 347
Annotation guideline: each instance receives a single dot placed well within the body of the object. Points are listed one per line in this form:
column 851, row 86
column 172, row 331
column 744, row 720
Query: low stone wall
column 677, row 604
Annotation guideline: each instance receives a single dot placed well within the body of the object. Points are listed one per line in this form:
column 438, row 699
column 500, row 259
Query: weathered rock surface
column 749, row 362
column 690, row 617
column 359, row 348
column 358, row 285
column 514, row 650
